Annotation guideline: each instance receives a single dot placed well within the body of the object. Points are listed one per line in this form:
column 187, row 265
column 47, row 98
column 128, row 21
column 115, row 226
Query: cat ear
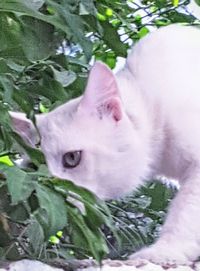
column 24, row 127
column 102, row 94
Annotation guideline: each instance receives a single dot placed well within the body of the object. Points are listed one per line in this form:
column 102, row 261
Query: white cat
column 141, row 122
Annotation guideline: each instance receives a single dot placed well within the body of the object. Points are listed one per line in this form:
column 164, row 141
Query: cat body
column 128, row 127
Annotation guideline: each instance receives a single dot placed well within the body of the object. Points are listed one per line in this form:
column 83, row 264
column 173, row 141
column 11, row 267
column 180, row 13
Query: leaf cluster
column 138, row 217
column 34, row 207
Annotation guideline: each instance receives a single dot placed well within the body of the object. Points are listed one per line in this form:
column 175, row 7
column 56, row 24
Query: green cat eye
column 71, row 159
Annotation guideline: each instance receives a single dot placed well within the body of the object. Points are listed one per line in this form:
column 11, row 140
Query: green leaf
column 35, row 235
column 66, row 78
column 10, row 42
column 9, row 36
column 16, row 54
column 175, row 3
column 19, row 212
column 86, row 238
column 197, row 2
column 96, row 209
column 37, row 39
column 54, row 240
column 20, row 184
column 87, row 232
column 36, row 155
column 4, row 67
column 109, row 12
column 52, row 214
column 70, row 186
column 178, row 17
column 4, row 116
column 14, row 66
column 143, row 32
column 101, row 17
column 51, row 89
column 159, row 194
column 21, row 6
column 43, row 109
column 6, row 140
column 6, row 81
column 6, row 160
column 111, row 38
column 107, row 57
column 161, row 3
column 87, row 7
column 24, row 99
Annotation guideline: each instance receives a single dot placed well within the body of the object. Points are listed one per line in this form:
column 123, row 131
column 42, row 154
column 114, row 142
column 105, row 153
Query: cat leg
column 179, row 242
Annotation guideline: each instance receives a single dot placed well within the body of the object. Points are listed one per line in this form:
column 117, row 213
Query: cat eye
column 71, row 159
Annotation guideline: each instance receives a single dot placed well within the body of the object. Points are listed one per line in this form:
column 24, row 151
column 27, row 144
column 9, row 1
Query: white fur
column 144, row 121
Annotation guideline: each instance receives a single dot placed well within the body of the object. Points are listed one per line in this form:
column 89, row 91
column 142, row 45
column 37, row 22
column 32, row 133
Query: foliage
column 45, row 49
column 38, row 207
column 138, row 217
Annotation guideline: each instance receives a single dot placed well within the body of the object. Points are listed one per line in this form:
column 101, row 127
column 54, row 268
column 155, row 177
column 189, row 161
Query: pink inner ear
column 102, row 94
column 114, row 107
column 21, row 125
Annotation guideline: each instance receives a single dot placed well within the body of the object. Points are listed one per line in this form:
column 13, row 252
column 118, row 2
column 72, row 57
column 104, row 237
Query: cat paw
column 164, row 256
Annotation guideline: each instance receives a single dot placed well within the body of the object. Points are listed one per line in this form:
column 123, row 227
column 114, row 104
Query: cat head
column 92, row 141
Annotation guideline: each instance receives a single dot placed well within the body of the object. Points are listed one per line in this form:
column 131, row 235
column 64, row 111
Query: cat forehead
column 72, row 127
column 59, row 117
column 66, row 127
column 59, row 134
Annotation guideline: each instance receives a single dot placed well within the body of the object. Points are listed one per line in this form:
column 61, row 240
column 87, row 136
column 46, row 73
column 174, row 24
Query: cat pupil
column 71, row 159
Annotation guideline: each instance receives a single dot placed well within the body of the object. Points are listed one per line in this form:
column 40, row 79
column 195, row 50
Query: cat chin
column 117, row 193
